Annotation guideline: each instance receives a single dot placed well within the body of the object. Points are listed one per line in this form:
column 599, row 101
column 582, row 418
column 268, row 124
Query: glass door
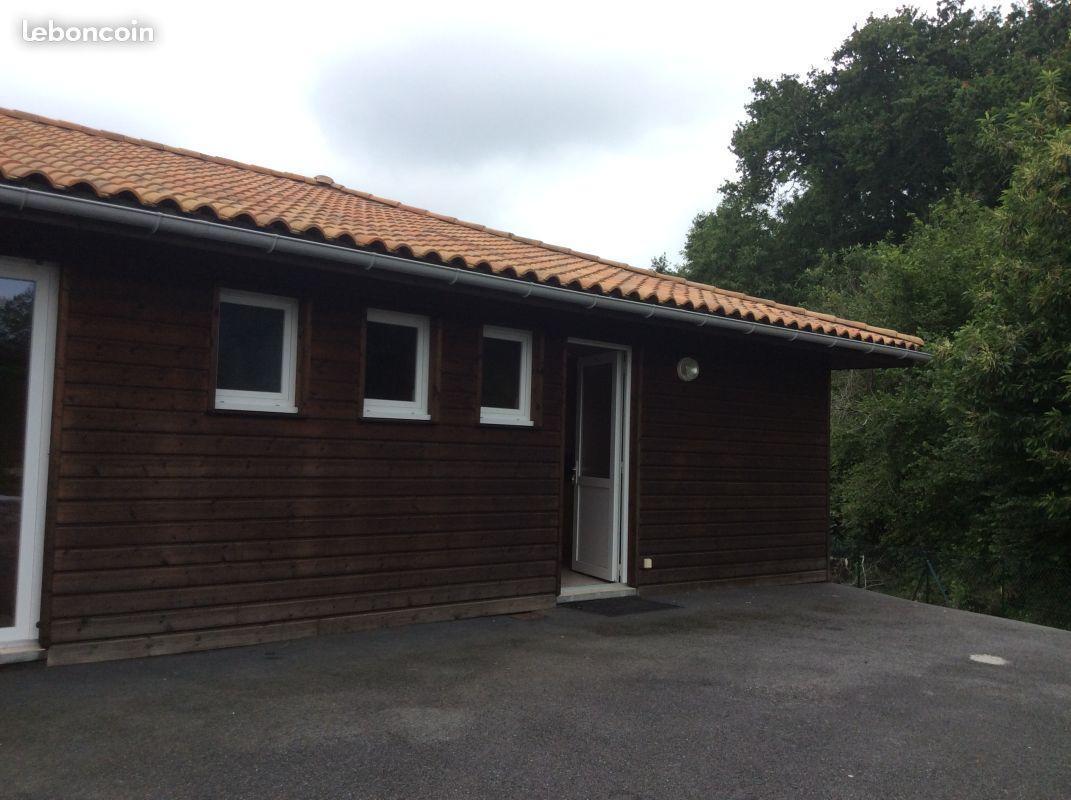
column 595, row 498
column 27, row 351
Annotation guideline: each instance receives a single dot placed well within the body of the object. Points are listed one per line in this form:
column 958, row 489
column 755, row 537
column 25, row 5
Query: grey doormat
column 619, row 606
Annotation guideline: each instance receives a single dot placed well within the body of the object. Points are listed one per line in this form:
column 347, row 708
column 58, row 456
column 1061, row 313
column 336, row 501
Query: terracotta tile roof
column 111, row 165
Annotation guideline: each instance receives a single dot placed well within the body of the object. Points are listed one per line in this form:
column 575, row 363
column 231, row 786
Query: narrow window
column 256, row 352
column 506, row 383
column 396, row 365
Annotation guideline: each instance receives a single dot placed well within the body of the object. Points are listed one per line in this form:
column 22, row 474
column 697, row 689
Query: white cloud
column 500, row 99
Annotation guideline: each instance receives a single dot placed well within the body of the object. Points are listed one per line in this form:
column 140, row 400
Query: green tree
column 852, row 154
column 970, row 457
column 661, row 265
column 15, row 315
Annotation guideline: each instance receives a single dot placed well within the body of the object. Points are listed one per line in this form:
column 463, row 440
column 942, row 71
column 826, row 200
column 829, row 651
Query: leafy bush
column 924, row 183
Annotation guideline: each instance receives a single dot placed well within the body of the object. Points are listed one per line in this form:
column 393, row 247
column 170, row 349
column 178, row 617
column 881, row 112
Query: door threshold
column 594, row 591
column 14, row 652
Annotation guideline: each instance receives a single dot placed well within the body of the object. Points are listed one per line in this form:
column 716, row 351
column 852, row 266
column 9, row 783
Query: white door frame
column 622, row 438
column 35, row 455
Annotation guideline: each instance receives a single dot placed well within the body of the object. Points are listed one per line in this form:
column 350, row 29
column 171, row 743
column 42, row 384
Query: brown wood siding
column 174, row 527
column 173, row 518
column 733, row 465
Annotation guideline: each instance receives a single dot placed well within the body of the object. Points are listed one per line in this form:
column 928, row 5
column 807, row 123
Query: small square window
column 506, row 377
column 256, row 352
column 396, row 365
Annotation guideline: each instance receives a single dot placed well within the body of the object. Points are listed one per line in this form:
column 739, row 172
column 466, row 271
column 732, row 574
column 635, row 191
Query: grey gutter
column 24, row 199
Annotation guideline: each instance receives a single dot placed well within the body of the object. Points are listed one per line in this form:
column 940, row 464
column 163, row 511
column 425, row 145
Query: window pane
column 501, row 373
column 250, row 348
column 596, row 421
column 16, row 315
column 390, row 356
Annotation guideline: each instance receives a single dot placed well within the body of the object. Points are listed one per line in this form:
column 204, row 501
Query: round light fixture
column 687, row 369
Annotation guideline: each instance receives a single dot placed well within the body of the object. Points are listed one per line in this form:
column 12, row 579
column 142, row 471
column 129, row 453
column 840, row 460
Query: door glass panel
column 16, row 314
column 596, row 421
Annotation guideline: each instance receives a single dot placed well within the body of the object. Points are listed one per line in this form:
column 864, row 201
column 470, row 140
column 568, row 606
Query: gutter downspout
column 24, row 199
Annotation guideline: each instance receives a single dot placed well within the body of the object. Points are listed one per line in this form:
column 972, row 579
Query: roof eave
column 26, row 199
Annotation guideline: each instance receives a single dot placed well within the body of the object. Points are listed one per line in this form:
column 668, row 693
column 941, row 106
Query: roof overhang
column 71, row 209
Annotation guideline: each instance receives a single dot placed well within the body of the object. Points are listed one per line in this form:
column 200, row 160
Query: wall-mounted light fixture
column 687, row 369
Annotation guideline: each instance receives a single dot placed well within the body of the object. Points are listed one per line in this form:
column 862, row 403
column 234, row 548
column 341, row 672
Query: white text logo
column 53, row 32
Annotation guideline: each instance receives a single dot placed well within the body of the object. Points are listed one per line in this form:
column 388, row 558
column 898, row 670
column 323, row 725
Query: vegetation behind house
column 923, row 181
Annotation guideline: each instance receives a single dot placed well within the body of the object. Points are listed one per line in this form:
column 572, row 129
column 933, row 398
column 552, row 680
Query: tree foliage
column 853, row 153
column 970, row 457
column 15, row 315
column 924, row 182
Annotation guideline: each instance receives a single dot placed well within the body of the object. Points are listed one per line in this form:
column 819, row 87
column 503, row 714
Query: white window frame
column 416, row 409
column 281, row 402
column 490, row 415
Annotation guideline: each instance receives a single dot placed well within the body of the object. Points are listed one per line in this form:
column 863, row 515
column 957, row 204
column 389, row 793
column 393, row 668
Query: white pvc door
column 28, row 299
column 598, row 448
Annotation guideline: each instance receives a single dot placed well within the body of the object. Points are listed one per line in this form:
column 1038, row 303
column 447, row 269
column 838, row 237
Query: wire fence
column 1001, row 586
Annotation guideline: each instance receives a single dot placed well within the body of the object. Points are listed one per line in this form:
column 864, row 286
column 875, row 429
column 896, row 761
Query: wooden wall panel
column 733, row 466
column 171, row 517
column 174, row 527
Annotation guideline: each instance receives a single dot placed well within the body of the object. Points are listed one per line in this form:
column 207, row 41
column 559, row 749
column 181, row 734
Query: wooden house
column 240, row 406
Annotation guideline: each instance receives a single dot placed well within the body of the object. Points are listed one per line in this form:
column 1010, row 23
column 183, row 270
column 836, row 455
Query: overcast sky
column 603, row 127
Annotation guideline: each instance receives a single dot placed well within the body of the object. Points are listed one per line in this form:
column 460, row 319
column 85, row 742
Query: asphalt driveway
column 816, row 691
